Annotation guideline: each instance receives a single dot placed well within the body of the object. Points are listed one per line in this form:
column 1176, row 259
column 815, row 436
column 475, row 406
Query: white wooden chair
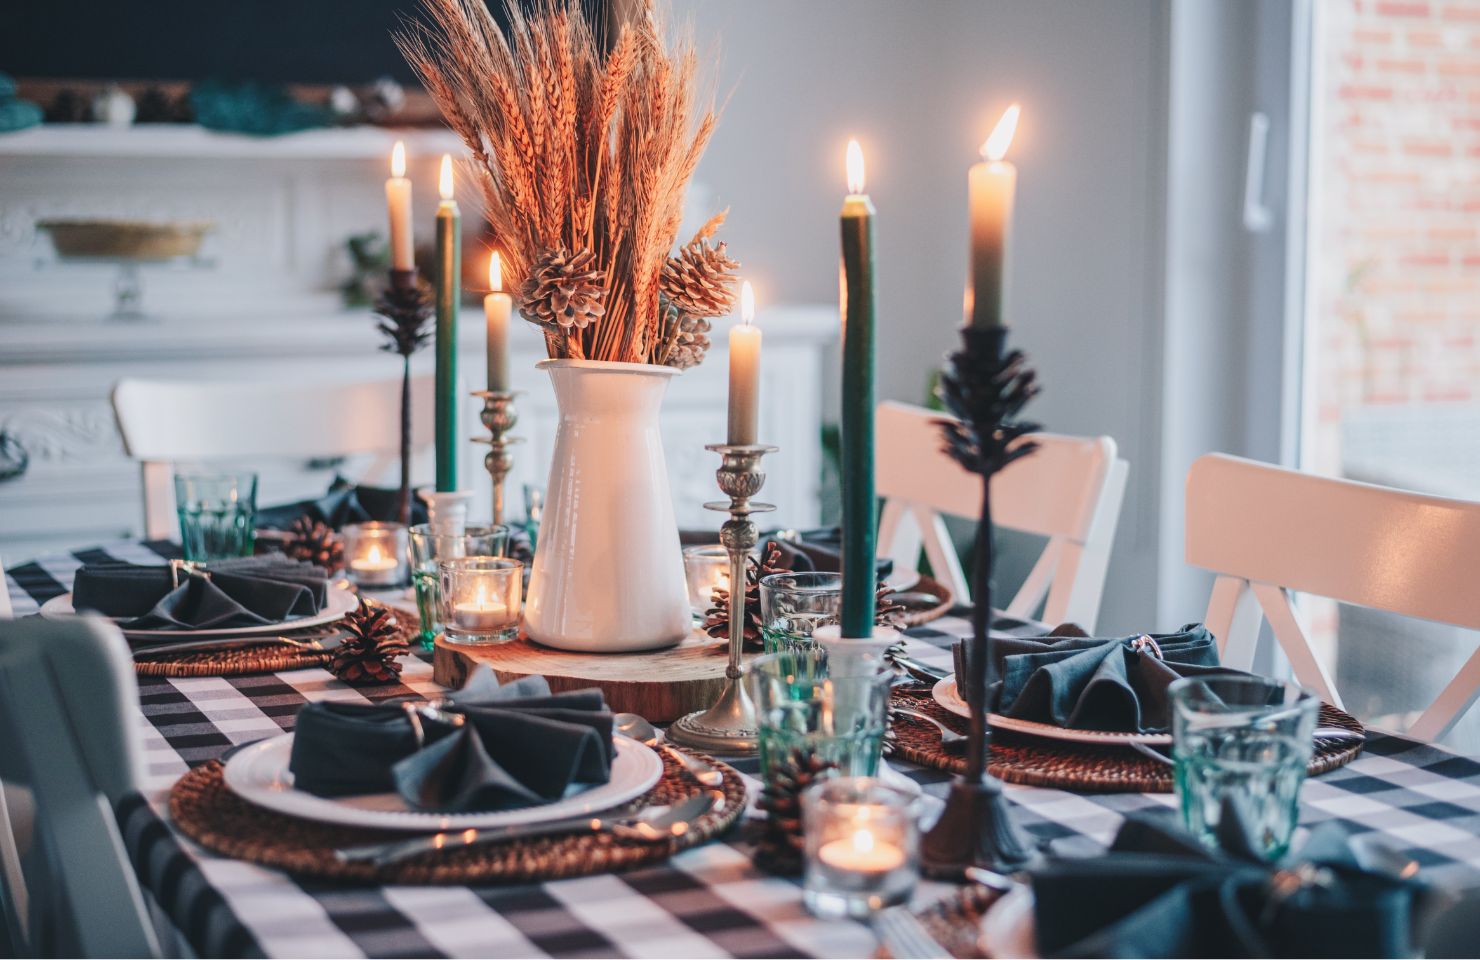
column 165, row 422
column 1267, row 531
column 69, row 708
column 1069, row 491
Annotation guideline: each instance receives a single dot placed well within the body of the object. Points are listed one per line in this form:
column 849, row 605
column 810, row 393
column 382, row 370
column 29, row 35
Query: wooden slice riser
column 661, row 685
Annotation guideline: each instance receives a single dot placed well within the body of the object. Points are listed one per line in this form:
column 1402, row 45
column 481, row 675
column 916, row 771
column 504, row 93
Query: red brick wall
column 1395, row 186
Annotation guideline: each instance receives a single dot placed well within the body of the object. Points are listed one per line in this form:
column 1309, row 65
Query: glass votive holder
column 795, row 604
column 480, row 599
column 375, row 554
column 862, row 846
column 707, row 568
column 428, row 546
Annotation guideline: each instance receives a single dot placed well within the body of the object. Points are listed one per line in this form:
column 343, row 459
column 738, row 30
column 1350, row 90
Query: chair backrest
column 1267, row 531
column 6, row 610
column 164, row 422
column 1069, row 491
column 69, row 706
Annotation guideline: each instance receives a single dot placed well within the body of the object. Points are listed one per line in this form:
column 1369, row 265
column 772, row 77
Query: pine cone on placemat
column 780, row 847
column 315, row 543
column 371, row 653
column 700, row 280
column 564, row 290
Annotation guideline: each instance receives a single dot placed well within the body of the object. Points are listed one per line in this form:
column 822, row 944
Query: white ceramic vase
column 608, row 569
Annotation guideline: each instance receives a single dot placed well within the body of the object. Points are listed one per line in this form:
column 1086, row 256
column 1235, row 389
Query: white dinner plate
column 339, row 601
column 1007, row 928
column 948, row 696
column 259, row 774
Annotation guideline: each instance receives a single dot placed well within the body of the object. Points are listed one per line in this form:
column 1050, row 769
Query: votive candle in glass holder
column 480, row 599
column 862, row 845
column 707, row 568
column 375, row 554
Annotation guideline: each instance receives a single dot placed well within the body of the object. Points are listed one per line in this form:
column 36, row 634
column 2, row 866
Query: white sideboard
column 264, row 308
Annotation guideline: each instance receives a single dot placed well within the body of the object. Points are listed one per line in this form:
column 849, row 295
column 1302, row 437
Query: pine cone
column 780, row 847
column 692, row 343
column 564, row 290
column 315, row 543
column 405, row 316
column 370, row 654
column 717, row 617
column 700, row 280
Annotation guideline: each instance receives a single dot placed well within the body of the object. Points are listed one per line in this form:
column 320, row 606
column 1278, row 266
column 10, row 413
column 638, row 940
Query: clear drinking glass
column 795, row 604
column 1241, row 745
column 862, row 847
column 218, row 514
column 804, row 708
column 706, row 568
column 428, row 546
column 480, row 599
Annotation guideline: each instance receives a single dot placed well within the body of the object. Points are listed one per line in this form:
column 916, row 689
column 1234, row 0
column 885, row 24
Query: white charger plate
column 946, row 694
column 1007, row 928
column 338, row 601
column 259, row 774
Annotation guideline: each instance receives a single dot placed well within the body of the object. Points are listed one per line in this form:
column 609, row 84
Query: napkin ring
column 1144, row 644
column 431, row 710
column 1284, row 884
column 191, row 568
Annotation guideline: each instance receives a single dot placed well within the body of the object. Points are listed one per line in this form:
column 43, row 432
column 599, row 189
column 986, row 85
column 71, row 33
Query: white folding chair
column 168, row 421
column 1267, row 531
column 1069, row 491
column 69, row 705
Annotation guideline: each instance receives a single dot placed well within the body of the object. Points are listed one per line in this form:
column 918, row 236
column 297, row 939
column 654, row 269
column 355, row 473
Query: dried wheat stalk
column 576, row 147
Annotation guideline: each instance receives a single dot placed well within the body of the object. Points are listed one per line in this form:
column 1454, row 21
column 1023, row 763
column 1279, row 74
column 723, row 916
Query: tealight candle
column 707, row 569
column 861, row 842
column 376, row 554
column 480, row 599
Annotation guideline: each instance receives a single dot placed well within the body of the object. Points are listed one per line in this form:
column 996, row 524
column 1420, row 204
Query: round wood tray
column 660, row 685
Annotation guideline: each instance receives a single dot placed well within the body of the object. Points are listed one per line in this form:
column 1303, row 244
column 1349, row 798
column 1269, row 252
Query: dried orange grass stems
column 576, row 147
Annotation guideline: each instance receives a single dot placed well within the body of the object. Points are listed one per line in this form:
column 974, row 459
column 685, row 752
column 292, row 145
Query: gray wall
column 921, row 84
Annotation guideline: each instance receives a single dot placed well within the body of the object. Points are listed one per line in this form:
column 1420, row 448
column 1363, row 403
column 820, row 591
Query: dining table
column 1420, row 800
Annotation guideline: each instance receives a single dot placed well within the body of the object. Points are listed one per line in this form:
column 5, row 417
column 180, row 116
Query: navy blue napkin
column 518, row 745
column 343, row 504
column 240, row 592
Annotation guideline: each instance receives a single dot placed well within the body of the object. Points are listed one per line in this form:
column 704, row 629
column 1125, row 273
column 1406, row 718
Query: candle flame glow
column 855, row 167
column 747, row 303
column 481, row 600
column 863, row 841
column 444, row 182
column 373, row 554
column 398, row 160
column 495, row 272
column 996, row 146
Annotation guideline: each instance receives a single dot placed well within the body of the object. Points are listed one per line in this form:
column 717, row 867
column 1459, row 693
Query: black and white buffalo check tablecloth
column 706, row 902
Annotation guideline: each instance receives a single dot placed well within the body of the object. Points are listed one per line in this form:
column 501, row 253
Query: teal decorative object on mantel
column 15, row 114
column 254, row 108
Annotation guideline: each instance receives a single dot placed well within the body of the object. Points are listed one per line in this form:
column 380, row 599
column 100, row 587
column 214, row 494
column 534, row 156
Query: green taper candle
column 449, row 290
column 857, row 454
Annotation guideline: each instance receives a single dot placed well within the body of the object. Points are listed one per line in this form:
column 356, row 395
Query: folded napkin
column 240, row 592
column 345, row 503
column 517, row 745
column 1159, row 893
column 1097, row 683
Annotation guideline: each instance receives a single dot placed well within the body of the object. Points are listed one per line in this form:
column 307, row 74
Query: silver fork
column 905, row 937
column 950, row 740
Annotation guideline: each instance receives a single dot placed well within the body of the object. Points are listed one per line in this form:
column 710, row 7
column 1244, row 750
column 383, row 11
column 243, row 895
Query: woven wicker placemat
column 210, row 814
column 1018, row 758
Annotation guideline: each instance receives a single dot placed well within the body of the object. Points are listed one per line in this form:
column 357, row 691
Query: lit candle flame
column 996, row 146
column 495, row 272
column 373, row 554
column 747, row 303
column 481, row 600
column 863, row 841
column 444, row 182
column 398, row 160
column 855, row 167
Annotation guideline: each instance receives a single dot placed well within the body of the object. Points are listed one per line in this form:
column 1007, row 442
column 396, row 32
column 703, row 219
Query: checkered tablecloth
column 706, row 902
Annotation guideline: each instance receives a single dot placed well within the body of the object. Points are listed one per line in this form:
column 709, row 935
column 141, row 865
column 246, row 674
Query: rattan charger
column 206, row 810
column 1091, row 767
column 264, row 659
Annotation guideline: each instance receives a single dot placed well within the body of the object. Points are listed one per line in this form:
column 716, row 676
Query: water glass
column 430, row 545
column 706, row 568
column 218, row 514
column 862, row 847
column 480, row 599
column 1241, row 745
column 804, row 708
column 795, row 604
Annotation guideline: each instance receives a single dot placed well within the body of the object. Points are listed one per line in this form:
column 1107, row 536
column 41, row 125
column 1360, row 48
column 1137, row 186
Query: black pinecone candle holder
column 986, row 386
column 405, row 308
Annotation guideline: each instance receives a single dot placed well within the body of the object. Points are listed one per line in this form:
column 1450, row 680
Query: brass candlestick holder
column 730, row 727
column 499, row 416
